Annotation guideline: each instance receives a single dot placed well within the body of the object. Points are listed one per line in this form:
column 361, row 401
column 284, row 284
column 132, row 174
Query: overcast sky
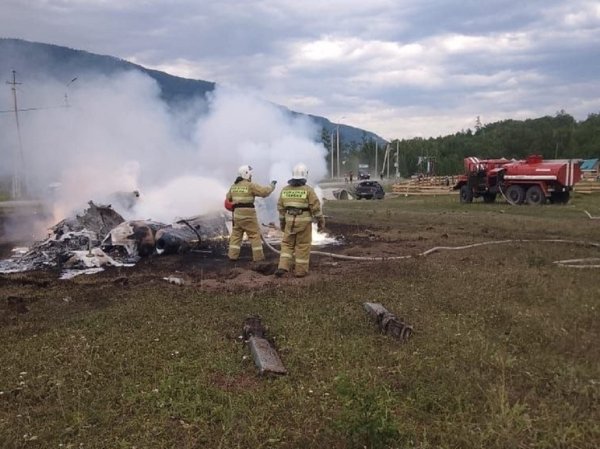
column 399, row 68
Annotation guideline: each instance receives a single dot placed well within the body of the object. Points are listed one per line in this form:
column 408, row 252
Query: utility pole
column 66, row 89
column 338, row 149
column 397, row 159
column 376, row 165
column 19, row 163
column 388, row 160
column 331, row 154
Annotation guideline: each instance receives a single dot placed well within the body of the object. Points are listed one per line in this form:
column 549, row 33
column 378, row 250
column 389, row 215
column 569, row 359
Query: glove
column 282, row 223
column 320, row 225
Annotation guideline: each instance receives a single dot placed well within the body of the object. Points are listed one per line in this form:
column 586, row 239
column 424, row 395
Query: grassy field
column 505, row 352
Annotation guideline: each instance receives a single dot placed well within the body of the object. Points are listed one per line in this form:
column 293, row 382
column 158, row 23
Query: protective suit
column 241, row 194
column 298, row 205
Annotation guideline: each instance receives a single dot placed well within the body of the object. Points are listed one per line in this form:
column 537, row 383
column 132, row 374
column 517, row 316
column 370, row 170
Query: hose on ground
column 565, row 263
column 577, row 263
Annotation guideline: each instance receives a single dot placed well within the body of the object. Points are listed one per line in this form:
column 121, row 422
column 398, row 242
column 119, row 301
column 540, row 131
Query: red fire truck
column 531, row 181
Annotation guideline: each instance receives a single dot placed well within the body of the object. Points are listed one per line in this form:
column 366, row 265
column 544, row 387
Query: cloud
column 339, row 58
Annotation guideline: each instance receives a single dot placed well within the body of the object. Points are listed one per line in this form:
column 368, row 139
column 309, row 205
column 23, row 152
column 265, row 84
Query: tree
column 550, row 136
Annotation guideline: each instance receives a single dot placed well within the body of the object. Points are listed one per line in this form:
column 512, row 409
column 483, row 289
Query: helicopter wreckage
column 100, row 237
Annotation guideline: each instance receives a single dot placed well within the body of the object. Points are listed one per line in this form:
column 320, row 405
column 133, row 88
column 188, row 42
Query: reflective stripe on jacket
column 298, row 203
column 243, row 193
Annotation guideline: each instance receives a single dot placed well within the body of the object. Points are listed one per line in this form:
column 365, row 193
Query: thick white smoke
column 241, row 129
column 117, row 135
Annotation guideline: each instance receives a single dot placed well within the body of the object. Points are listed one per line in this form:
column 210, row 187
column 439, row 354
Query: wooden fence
column 442, row 185
column 432, row 185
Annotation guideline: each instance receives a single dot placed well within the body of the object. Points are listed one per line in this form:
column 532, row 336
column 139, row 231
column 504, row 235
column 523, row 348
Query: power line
column 19, row 175
column 33, row 109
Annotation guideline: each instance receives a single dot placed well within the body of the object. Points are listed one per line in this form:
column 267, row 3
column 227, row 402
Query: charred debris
column 100, row 236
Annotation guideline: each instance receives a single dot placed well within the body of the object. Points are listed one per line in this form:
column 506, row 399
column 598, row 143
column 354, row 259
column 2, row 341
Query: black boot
column 280, row 272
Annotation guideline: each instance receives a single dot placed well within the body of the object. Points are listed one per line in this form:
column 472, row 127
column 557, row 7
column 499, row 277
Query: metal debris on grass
column 387, row 322
column 265, row 356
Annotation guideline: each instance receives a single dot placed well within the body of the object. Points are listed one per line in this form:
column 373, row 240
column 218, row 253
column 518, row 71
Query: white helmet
column 300, row 171
column 245, row 172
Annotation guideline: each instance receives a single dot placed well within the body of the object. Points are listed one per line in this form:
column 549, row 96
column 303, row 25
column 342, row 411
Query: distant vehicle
column 363, row 171
column 369, row 190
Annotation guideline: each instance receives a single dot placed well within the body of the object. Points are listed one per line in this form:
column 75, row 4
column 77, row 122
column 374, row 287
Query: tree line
column 557, row 137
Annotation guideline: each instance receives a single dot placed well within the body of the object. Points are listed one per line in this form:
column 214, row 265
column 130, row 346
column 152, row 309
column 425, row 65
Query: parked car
column 369, row 190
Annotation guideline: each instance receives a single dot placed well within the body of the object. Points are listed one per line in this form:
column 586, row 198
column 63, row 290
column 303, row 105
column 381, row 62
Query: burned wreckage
column 101, row 236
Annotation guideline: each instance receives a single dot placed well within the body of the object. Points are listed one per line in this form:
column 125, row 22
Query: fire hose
column 505, row 197
column 575, row 263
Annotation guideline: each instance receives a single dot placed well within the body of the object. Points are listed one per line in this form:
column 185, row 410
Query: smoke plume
column 105, row 136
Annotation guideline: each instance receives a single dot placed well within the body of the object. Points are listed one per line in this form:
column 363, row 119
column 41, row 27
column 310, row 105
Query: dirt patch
column 207, row 272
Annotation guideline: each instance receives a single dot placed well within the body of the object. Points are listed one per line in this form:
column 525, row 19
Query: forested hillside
column 559, row 137
column 35, row 60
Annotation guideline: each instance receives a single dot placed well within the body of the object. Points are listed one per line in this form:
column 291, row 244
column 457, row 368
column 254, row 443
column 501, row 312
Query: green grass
column 505, row 352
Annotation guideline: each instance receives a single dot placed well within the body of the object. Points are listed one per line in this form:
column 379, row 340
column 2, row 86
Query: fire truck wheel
column 466, row 194
column 535, row 195
column 515, row 194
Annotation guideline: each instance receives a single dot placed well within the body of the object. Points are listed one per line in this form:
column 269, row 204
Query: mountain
column 63, row 63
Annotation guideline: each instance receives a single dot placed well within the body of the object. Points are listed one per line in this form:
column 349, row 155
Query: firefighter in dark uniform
column 241, row 194
column 298, row 205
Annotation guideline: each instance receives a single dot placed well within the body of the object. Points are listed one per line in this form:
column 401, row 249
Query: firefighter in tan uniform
column 241, row 194
column 298, row 205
